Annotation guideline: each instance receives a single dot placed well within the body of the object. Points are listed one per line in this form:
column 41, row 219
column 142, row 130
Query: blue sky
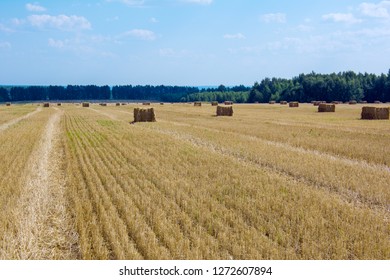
column 188, row 42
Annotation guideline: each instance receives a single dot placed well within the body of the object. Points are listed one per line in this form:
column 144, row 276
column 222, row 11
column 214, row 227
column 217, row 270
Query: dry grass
column 271, row 183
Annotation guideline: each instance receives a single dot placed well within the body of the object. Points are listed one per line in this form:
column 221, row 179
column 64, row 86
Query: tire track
column 4, row 126
column 44, row 230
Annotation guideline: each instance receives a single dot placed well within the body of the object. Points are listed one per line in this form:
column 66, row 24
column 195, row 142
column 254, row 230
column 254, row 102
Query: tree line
column 343, row 86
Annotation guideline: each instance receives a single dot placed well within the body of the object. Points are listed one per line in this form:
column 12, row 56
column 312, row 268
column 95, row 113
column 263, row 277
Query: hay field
column 271, row 182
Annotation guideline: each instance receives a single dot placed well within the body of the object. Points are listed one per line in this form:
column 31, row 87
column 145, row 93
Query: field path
column 4, row 126
column 44, row 230
column 280, row 144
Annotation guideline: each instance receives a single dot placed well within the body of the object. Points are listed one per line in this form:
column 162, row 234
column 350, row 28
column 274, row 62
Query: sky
column 188, row 42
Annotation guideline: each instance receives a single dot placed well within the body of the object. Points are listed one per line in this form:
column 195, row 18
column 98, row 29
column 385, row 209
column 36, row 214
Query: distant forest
column 343, row 86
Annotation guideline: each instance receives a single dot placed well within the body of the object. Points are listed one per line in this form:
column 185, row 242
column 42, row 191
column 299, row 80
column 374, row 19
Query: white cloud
column 81, row 46
column 56, row 43
column 234, row 36
column 110, row 19
column 61, row 22
column 340, row 17
column 304, row 28
column 5, row 45
column 380, row 32
column 153, row 20
column 171, row 53
column 17, row 22
column 167, row 52
column 312, row 44
column 142, row 34
column 130, row 3
column 201, row 2
column 380, row 10
column 4, row 28
column 76, row 45
column 274, row 17
column 35, row 8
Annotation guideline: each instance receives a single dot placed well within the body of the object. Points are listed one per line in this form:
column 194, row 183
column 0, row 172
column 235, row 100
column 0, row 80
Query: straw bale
column 146, row 103
column 294, row 104
column 283, row 102
column 85, row 104
column 383, row 113
column 59, row 104
column 352, row 102
column 225, row 111
column 228, row 102
column 118, row 104
column 323, row 107
column 46, row 104
column 377, row 102
column 214, row 103
column 144, row 115
column 271, row 102
column 198, row 104
column 8, row 104
column 374, row 113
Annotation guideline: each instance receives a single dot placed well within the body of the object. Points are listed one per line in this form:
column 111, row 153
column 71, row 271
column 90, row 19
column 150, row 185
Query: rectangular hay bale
column 294, row 104
column 374, row 113
column 225, row 111
column 323, row 107
column 144, row 115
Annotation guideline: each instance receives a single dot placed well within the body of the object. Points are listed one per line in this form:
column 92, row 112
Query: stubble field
column 271, row 182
